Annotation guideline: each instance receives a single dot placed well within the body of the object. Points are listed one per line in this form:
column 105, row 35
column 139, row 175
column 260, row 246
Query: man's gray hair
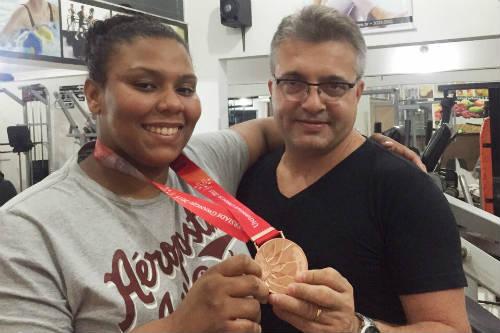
column 316, row 24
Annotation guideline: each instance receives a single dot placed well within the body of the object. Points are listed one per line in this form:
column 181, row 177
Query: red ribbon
column 225, row 212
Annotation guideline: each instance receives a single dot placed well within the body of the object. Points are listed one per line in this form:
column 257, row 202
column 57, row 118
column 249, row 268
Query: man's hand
column 399, row 149
column 225, row 299
column 320, row 301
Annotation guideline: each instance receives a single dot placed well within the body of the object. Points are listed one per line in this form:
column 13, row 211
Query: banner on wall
column 30, row 27
column 54, row 30
column 375, row 16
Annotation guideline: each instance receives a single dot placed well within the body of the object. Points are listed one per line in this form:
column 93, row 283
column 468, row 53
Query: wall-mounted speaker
column 236, row 13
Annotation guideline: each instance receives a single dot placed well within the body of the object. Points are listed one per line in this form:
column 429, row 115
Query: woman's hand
column 225, row 299
column 399, row 149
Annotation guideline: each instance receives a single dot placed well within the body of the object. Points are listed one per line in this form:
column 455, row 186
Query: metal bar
column 41, row 131
column 33, row 132
column 48, row 128
column 85, row 114
column 494, row 111
column 11, row 95
column 474, row 219
column 20, row 172
column 73, row 127
column 380, row 91
column 39, row 97
column 481, row 267
column 465, row 188
column 29, row 171
column 72, row 122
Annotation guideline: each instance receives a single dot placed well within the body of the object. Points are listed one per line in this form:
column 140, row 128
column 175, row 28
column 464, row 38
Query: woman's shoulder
column 46, row 192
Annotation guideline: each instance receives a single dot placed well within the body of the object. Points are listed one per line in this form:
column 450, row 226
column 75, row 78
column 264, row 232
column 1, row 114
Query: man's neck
column 297, row 170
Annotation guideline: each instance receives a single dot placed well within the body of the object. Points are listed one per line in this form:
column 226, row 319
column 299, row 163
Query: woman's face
column 148, row 107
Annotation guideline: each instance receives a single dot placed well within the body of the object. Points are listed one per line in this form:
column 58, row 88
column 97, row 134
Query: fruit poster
column 468, row 109
column 30, row 27
column 470, row 106
column 374, row 16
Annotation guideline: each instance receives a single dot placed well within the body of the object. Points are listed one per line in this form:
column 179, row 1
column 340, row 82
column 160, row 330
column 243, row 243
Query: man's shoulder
column 385, row 161
column 393, row 172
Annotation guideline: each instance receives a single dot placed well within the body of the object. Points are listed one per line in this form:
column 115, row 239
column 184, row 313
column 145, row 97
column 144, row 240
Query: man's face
column 315, row 124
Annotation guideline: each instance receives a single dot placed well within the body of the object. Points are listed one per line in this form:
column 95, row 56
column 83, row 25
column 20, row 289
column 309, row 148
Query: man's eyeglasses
column 296, row 90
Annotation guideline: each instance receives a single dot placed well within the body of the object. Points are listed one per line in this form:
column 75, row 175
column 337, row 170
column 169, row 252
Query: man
column 379, row 225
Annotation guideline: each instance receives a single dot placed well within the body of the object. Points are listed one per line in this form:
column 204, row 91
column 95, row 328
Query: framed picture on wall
column 375, row 16
column 54, row 30
column 30, row 28
column 76, row 19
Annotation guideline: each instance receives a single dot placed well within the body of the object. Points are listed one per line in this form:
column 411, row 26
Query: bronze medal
column 280, row 260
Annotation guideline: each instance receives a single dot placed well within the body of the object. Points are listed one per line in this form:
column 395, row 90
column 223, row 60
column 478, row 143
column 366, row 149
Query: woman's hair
column 317, row 24
column 103, row 37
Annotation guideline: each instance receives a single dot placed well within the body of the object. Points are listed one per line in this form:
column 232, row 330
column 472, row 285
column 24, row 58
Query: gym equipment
column 490, row 147
column 89, row 132
column 37, row 118
column 20, row 141
column 440, row 139
column 480, row 233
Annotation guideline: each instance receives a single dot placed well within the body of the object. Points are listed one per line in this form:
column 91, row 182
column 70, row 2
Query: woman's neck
column 123, row 184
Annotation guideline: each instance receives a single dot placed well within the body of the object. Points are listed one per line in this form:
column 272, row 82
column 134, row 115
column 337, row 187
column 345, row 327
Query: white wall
column 11, row 113
column 436, row 20
column 212, row 44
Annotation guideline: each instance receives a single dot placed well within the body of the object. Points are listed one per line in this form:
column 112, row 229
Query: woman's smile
column 163, row 130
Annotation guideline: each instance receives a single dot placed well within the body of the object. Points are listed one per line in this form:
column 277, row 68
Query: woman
column 33, row 28
column 30, row 15
column 92, row 250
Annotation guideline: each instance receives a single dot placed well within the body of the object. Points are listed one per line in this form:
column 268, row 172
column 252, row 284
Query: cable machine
column 88, row 132
column 37, row 119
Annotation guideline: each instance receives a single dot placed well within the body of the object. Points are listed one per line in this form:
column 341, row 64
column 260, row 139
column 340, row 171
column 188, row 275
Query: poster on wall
column 30, row 27
column 374, row 16
column 54, row 30
column 77, row 18
column 180, row 29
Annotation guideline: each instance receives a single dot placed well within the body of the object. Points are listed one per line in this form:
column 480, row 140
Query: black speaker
column 236, row 13
column 19, row 138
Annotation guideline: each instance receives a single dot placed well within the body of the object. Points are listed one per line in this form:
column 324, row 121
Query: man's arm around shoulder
column 261, row 136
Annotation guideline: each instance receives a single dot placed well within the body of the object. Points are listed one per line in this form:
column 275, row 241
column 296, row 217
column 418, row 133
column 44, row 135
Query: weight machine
column 37, row 120
column 89, row 131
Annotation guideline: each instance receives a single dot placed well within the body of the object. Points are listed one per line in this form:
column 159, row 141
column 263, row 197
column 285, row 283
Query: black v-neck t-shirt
column 375, row 218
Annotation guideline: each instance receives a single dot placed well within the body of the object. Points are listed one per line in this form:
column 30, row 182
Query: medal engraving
column 280, row 260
